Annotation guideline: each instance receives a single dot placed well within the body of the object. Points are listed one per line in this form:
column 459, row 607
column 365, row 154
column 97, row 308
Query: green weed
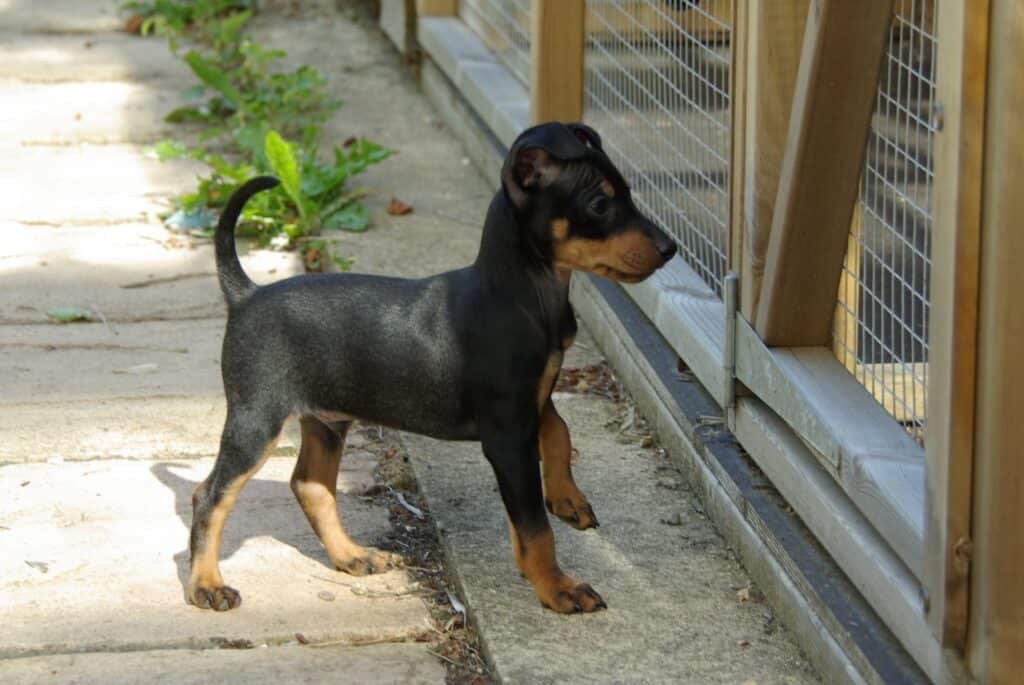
column 257, row 118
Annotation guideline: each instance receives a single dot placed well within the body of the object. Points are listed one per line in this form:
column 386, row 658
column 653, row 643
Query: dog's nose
column 666, row 248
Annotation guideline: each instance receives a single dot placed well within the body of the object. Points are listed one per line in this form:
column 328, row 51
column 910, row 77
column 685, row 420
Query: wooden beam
column 844, row 43
column 995, row 645
column 766, row 57
column 436, row 8
column 949, row 440
column 556, row 60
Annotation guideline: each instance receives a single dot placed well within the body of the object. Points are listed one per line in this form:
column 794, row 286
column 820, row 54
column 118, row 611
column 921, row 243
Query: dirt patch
column 414, row 535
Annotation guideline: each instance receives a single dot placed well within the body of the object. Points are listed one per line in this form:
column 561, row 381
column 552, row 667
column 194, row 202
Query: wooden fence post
column 436, row 8
column 766, row 56
column 949, row 440
column 556, row 60
column 844, row 43
column 995, row 643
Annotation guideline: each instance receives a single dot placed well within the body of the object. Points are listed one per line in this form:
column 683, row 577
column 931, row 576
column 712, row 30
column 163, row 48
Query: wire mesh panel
column 881, row 326
column 504, row 27
column 656, row 87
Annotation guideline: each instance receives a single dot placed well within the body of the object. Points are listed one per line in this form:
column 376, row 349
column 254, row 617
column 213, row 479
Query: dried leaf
column 134, row 24
column 743, row 594
column 398, row 208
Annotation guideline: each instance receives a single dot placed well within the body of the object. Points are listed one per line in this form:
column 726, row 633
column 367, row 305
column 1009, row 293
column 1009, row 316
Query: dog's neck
column 508, row 261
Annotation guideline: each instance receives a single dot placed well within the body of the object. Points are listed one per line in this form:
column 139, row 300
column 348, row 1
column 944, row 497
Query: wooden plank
column 845, row 338
column 767, row 57
column 878, row 464
column 843, row 46
column 898, row 387
column 436, row 8
column 961, row 74
column 556, row 60
column 995, row 643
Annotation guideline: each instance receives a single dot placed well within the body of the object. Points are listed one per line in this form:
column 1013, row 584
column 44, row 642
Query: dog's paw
column 574, row 509
column 570, row 597
column 221, row 598
column 369, row 562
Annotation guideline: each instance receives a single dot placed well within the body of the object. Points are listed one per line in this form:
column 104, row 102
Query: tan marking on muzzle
column 628, row 256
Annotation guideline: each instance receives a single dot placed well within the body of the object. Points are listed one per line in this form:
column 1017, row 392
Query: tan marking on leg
column 314, row 483
column 548, row 378
column 204, row 575
column 561, row 495
column 535, row 556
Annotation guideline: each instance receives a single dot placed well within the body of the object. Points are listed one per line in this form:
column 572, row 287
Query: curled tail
column 235, row 285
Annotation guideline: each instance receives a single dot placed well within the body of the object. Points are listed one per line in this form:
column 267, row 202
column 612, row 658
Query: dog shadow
column 265, row 508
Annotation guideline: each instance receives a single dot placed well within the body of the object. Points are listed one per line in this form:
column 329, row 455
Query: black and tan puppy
column 470, row 354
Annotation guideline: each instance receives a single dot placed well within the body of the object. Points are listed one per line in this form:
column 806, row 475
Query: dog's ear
column 536, row 158
column 586, row 135
column 529, row 170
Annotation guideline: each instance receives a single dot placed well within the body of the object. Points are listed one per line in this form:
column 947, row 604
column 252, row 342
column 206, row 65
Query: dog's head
column 576, row 208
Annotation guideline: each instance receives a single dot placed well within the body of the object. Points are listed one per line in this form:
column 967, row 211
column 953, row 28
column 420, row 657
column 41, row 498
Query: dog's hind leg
column 314, row 483
column 248, row 440
column 561, row 496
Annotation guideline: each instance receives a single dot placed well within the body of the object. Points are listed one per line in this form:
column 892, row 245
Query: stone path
column 106, row 427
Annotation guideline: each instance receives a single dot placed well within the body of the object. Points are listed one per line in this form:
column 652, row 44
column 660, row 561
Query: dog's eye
column 600, row 205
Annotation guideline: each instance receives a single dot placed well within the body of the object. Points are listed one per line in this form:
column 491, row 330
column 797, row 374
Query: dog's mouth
column 620, row 275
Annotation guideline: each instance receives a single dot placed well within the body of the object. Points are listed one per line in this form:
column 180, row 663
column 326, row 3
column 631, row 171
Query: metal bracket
column 730, row 302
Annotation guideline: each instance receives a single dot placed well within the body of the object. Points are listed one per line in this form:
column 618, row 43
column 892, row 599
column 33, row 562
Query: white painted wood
column 868, row 561
column 690, row 316
column 877, row 463
column 497, row 96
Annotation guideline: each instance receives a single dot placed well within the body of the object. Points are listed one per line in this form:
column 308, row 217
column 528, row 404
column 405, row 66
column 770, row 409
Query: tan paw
column 369, row 562
column 222, row 598
column 573, row 508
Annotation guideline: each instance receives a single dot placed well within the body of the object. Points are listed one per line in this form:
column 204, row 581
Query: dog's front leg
column 513, row 454
column 561, row 496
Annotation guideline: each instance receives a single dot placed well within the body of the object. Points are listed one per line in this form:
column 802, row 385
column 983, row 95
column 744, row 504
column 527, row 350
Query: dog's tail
column 235, row 285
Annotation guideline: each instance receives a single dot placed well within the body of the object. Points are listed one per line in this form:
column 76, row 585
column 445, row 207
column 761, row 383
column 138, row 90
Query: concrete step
column 131, row 272
column 382, row 664
column 98, row 113
column 676, row 611
column 70, row 58
column 55, row 17
column 107, row 546
column 89, row 184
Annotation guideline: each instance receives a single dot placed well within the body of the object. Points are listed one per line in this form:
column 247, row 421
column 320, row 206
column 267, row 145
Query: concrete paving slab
column 129, row 272
column 102, row 546
column 59, row 16
column 397, row 664
column 88, row 184
column 41, row 58
column 675, row 613
column 96, row 113
column 54, row 363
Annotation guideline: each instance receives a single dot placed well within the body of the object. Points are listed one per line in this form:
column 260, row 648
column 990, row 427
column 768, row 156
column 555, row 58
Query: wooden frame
column 843, row 46
column 961, row 75
column 766, row 57
column 556, row 60
column 995, row 643
column 436, row 8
